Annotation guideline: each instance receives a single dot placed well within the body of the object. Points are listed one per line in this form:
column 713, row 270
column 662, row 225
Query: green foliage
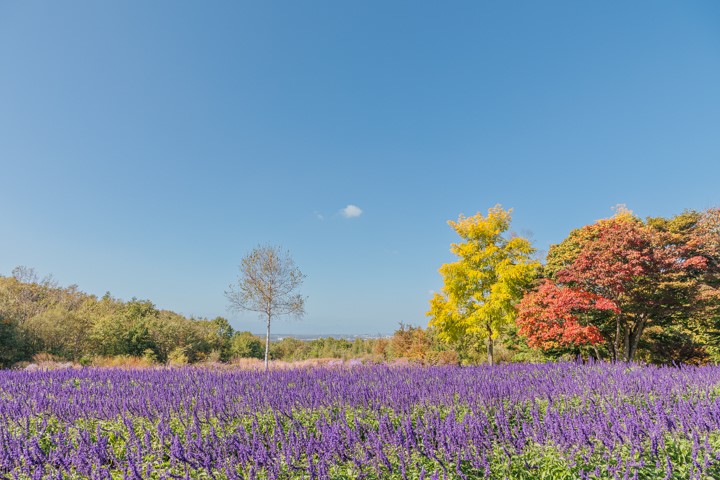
column 124, row 328
column 221, row 336
column 150, row 356
column 287, row 349
column 9, row 342
column 519, row 351
column 178, row 357
column 246, row 345
column 71, row 325
column 39, row 316
column 327, row 348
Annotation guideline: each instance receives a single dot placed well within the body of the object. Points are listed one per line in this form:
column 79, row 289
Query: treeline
column 620, row 289
column 39, row 316
column 408, row 343
column 40, row 320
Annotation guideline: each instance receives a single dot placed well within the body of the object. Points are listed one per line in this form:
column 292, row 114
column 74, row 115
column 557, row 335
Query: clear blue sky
column 145, row 147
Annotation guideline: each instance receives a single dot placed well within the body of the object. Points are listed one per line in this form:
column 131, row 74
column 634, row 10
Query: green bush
column 178, row 356
column 246, row 345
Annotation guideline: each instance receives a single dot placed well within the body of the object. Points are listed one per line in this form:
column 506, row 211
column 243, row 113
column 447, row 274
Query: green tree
column 8, row 342
column 63, row 327
column 694, row 335
column 246, row 345
column 124, row 329
column 106, row 326
column 267, row 284
column 481, row 289
column 289, row 349
column 221, row 334
column 39, row 315
column 170, row 331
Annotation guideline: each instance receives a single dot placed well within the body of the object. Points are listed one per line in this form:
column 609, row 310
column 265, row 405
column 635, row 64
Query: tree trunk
column 267, row 344
column 618, row 338
column 636, row 334
column 490, row 345
column 490, row 350
column 626, row 344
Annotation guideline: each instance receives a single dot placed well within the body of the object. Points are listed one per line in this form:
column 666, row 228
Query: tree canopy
column 38, row 316
column 482, row 287
column 267, row 284
column 618, row 277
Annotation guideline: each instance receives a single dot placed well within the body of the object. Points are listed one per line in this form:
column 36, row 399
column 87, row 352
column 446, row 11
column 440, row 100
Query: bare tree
column 266, row 284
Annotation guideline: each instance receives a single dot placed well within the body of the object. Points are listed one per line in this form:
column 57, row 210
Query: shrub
column 246, row 345
column 178, row 357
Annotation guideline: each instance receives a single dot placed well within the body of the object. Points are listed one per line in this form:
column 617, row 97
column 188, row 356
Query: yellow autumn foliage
column 483, row 286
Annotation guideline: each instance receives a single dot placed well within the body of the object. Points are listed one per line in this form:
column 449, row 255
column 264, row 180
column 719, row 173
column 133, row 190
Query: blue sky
column 145, row 147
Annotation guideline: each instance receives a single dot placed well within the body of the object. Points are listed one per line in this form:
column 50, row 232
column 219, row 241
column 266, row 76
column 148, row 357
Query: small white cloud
column 351, row 211
column 319, row 216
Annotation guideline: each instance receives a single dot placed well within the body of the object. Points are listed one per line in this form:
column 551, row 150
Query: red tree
column 550, row 317
column 619, row 266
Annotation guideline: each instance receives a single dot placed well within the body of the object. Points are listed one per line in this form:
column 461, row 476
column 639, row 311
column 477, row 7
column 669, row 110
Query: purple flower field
column 550, row 421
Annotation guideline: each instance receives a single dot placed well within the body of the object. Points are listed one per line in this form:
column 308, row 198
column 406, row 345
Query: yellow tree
column 489, row 278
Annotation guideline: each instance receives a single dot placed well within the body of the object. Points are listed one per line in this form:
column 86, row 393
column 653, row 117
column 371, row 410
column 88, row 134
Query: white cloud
column 319, row 216
column 351, row 211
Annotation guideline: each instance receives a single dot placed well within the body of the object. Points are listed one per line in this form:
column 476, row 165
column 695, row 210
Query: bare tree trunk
column 597, row 353
column 626, row 344
column 617, row 346
column 490, row 350
column 636, row 334
column 490, row 345
column 267, row 344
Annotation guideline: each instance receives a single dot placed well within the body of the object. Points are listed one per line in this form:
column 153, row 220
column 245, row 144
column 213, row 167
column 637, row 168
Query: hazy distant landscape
column 274, row 337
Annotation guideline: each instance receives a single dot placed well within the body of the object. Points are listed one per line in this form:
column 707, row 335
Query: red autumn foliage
column 623, row 253
column 644, row 275
column 549, row 316
column 703, row 246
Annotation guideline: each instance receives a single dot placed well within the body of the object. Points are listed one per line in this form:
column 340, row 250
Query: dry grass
column 44, row 357
column 46, row 361
column 256, row 364
column 122, row 361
